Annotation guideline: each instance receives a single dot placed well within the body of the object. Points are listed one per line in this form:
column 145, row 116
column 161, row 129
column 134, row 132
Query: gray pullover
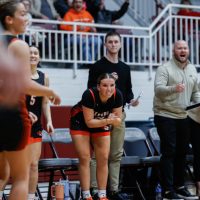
column 167, row 102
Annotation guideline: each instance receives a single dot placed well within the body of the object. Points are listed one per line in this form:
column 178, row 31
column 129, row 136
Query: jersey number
column 32, row 100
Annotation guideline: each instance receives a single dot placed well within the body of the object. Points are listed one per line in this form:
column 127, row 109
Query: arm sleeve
column 92, row 77
column 196, row 91
column 61, row 7
column 161, row 88
column 93, row 7
column 130, row 94
column 66, row 18
column 87, row 99
column 118, row 99
column 34, row 11
column 117, row 14
column 53, row 10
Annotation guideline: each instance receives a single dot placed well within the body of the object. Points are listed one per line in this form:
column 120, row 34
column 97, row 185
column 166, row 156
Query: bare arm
column 20, row 50
column 46, row 110
column 11, row 80
column 113, row 119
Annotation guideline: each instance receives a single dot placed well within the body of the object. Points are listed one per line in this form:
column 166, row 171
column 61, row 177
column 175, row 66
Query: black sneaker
column 185, row 194
column 115, row 195
column 171, row 196
column 94, row 193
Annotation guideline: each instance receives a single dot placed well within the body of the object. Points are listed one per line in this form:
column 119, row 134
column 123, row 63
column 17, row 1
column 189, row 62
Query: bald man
column 175, row 86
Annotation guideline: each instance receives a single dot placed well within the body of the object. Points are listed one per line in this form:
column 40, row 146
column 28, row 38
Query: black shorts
column 11, row 129
column 79, row 127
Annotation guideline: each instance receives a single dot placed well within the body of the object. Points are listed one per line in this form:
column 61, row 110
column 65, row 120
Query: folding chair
column 136, row 144
column 55, row 164
column 155, row 141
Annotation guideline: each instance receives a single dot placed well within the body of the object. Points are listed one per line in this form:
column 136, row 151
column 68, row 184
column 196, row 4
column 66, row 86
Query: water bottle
column 66, row 189
column 158, row 192
column 72, row 188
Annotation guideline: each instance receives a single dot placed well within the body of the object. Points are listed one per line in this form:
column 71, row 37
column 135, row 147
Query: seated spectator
column 187, row 12
column 62, row 6
column 78, row 14
column 44, row 9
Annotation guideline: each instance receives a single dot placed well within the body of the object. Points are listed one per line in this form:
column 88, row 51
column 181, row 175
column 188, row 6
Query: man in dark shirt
column 111, row 64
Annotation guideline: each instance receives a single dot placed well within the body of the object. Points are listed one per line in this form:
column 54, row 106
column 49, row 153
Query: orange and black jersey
column 34, row 104
column 91, row 99
column 15, row 125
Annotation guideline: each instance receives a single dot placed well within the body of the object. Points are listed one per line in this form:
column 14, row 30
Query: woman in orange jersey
column 15, row 126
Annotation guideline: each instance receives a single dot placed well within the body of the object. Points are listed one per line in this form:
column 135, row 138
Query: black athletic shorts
column 11, row 129
column 79, row 127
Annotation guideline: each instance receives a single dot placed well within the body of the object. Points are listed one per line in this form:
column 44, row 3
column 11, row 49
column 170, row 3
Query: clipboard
column 192, row 106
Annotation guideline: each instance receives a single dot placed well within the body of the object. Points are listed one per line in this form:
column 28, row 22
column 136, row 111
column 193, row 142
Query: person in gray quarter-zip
column 175, row 85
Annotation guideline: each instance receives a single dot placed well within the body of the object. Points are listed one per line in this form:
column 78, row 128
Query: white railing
column 85, row 48
column 170, row 27
column 146, row 46
column 144, row 9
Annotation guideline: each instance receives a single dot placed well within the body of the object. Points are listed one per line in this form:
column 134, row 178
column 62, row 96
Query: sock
column 101, row 193
column 1, row 195
column 86, row 194
column 31, row 196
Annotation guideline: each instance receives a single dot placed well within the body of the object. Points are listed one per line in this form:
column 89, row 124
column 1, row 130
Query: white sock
column 1, row 195
column 31, row 196
column 86, row 194
column 101, row 193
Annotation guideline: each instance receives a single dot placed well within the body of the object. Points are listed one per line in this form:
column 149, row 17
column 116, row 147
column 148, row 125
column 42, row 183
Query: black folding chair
column 137, row 145
column 155, row 140
column 52, row 165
